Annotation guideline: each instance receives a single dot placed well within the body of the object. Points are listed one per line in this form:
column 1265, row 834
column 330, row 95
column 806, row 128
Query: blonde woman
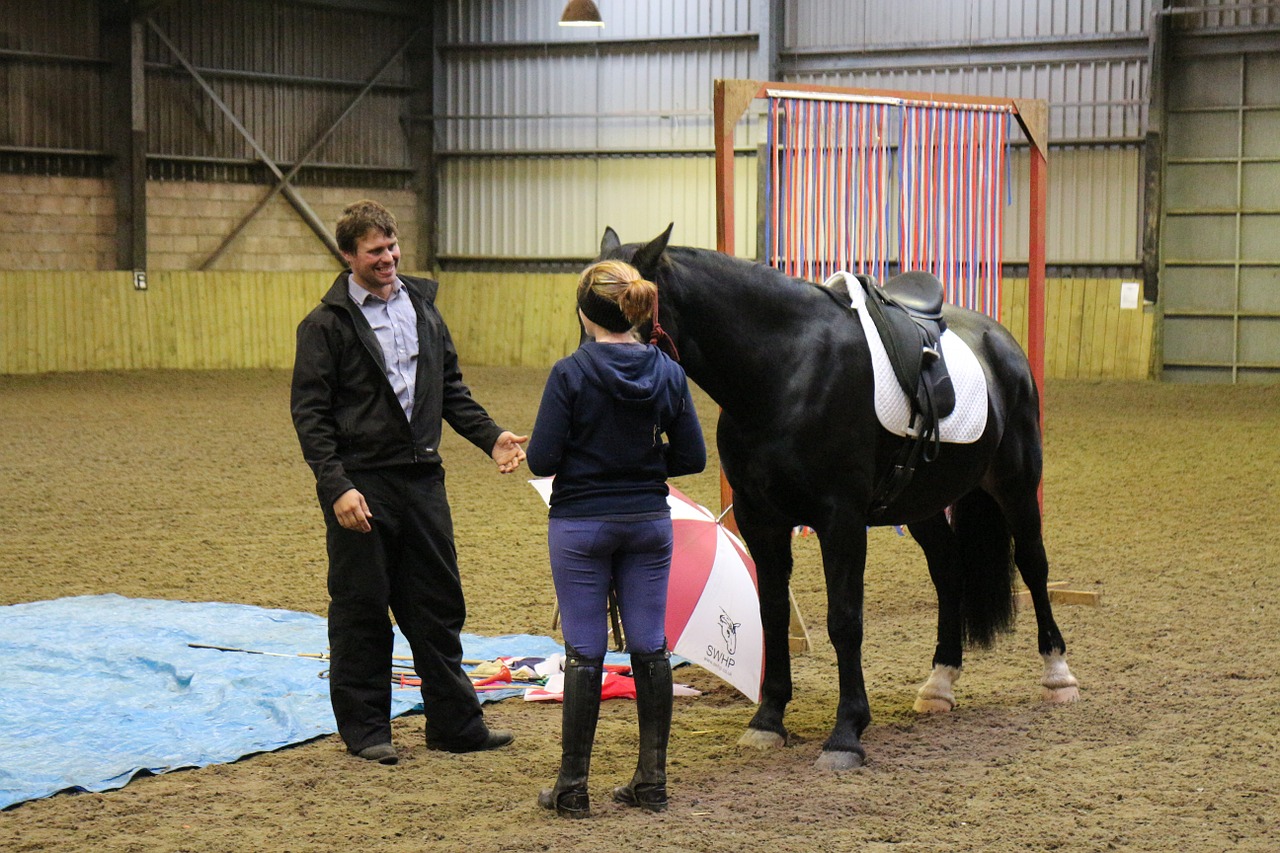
column 616, row 420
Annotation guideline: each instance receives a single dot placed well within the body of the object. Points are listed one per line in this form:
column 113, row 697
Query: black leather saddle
column 907, row 312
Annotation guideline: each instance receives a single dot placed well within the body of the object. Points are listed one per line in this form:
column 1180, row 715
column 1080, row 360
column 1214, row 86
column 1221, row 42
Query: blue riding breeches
column 590, row 554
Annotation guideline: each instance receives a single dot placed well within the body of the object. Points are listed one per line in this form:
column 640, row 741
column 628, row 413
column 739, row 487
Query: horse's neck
column 743, row 326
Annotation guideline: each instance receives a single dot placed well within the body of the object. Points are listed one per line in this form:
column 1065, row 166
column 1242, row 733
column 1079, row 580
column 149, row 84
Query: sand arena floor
column 1163, row 499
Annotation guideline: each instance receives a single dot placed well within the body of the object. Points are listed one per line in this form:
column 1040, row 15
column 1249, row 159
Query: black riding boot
column 582, row 677
column 648, row 788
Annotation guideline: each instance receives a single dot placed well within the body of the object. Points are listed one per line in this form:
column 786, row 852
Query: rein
column 658, row 335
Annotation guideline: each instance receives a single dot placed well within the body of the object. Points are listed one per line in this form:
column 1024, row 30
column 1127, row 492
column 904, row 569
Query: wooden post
column 1033, row 115
column 731, row 99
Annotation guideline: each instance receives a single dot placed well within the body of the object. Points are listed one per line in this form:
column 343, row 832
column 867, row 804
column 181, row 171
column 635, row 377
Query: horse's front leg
column 770, row 546
column 844, row 558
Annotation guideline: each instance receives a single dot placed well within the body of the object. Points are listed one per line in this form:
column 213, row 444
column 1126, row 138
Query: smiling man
column 375, row 375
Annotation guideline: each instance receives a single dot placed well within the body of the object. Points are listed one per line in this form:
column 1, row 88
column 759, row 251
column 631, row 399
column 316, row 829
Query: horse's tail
column 987, row 568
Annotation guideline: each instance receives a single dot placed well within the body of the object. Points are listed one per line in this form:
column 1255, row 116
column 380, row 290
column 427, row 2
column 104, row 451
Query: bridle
column 658, row 335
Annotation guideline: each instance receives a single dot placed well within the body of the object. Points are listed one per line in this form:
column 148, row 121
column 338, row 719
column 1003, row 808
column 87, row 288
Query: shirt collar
column 358, row 294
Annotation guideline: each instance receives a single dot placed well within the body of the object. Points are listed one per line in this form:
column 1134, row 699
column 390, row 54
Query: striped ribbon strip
column 835, row 169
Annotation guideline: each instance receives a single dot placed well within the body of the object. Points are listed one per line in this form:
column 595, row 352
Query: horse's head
column 645, row 257
column 652, row 262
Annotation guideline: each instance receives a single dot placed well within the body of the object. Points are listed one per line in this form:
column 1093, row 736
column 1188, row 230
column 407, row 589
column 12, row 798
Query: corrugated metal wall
column 557, row 207
column 51, row 79
column 286, row 71
column 1101, row 100
column 1087, row 58
column 1095, row 214
column 287, row 75
column 547, row 134
column 515, row 90
column 852, row 24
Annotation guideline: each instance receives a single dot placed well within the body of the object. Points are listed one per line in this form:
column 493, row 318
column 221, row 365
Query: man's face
column 375, row 260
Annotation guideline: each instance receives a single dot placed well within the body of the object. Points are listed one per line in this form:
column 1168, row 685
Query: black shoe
column 383, row 753
column 493, row 739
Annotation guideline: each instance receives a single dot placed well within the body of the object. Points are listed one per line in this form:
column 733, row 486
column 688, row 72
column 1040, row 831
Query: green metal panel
column 1199, row 340
column 1198, row 289
column 1260, row 289
column 1261, row 185
column 1203, row 237
column 1220, row 244
column 1262, row 132
column 1260, row 340
column 1202, row 185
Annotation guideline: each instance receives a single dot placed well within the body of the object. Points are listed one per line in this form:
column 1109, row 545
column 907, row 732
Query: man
column 375, row 374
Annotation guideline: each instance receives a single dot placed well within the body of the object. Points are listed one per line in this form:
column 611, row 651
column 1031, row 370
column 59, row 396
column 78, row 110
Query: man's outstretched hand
column 507, row 451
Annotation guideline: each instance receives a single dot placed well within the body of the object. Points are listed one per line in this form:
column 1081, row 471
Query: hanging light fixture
column 581, row 13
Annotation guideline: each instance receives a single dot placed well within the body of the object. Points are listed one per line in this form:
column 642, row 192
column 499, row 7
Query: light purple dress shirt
column 396, row 326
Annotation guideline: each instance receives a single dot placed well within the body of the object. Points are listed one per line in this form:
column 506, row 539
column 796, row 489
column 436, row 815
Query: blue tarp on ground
column 96, row 689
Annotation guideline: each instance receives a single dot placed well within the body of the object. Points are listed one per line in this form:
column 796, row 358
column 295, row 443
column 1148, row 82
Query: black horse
column 800, row 444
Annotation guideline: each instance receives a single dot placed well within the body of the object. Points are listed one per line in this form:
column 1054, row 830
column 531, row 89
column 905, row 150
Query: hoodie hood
column 628, row 373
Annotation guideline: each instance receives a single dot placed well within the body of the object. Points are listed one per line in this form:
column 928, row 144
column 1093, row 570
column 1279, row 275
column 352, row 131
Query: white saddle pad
column 966, row 423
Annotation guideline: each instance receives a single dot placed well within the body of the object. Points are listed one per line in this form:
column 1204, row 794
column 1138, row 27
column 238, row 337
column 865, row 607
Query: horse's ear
column 646, row 260
column 609, row 241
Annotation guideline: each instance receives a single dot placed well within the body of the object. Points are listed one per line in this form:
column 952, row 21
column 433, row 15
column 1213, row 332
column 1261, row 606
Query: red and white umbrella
column 713, row 603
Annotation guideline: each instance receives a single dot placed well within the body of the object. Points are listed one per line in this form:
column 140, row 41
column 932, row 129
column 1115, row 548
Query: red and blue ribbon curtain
column 827, row 187
column 837, row 169
column 952, row 174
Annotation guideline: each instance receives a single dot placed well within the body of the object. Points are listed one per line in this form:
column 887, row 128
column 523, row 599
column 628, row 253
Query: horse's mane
column 728, row 269
column 782, row 299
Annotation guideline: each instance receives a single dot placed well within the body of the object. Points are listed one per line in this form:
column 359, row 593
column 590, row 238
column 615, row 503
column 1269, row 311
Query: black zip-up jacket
column 344, row 409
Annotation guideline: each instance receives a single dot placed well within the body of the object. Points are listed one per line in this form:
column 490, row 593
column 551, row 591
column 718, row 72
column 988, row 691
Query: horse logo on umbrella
column 729, row 630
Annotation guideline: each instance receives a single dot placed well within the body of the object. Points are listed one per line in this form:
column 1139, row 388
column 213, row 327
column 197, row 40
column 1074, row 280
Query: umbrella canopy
column 713, row 605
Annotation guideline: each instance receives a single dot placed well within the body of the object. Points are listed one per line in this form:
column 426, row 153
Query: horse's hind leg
column 938, row 541
column 770, row 547
column 1023, row 515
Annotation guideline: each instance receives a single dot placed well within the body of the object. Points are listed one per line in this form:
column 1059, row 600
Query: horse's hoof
column 933, row 705
column 761, row 739
column 1061, row 695
column 935, row 696
column 1060, row 686
column 839, row 760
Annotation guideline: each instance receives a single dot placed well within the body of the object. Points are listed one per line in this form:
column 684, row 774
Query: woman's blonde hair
column 621, row 284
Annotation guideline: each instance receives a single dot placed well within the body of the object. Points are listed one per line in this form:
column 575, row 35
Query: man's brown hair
column 358, row 218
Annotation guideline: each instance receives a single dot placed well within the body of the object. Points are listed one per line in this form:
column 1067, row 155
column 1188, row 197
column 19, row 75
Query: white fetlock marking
column 936, row 695
column 759, row 739
column 1060, row 686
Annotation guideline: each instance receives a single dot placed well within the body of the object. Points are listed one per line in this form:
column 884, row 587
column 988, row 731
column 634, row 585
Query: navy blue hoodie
column 616, row 420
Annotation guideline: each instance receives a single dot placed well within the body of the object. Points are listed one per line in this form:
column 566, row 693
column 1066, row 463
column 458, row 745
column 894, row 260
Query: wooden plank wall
column 78, row 321
column 1087, row 334
column 513, row 320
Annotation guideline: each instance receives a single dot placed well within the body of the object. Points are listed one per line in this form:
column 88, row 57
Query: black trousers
column 407, row 563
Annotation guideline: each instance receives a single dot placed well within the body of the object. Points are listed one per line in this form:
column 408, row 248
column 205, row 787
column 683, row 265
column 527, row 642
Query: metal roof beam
column 1127, row 46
